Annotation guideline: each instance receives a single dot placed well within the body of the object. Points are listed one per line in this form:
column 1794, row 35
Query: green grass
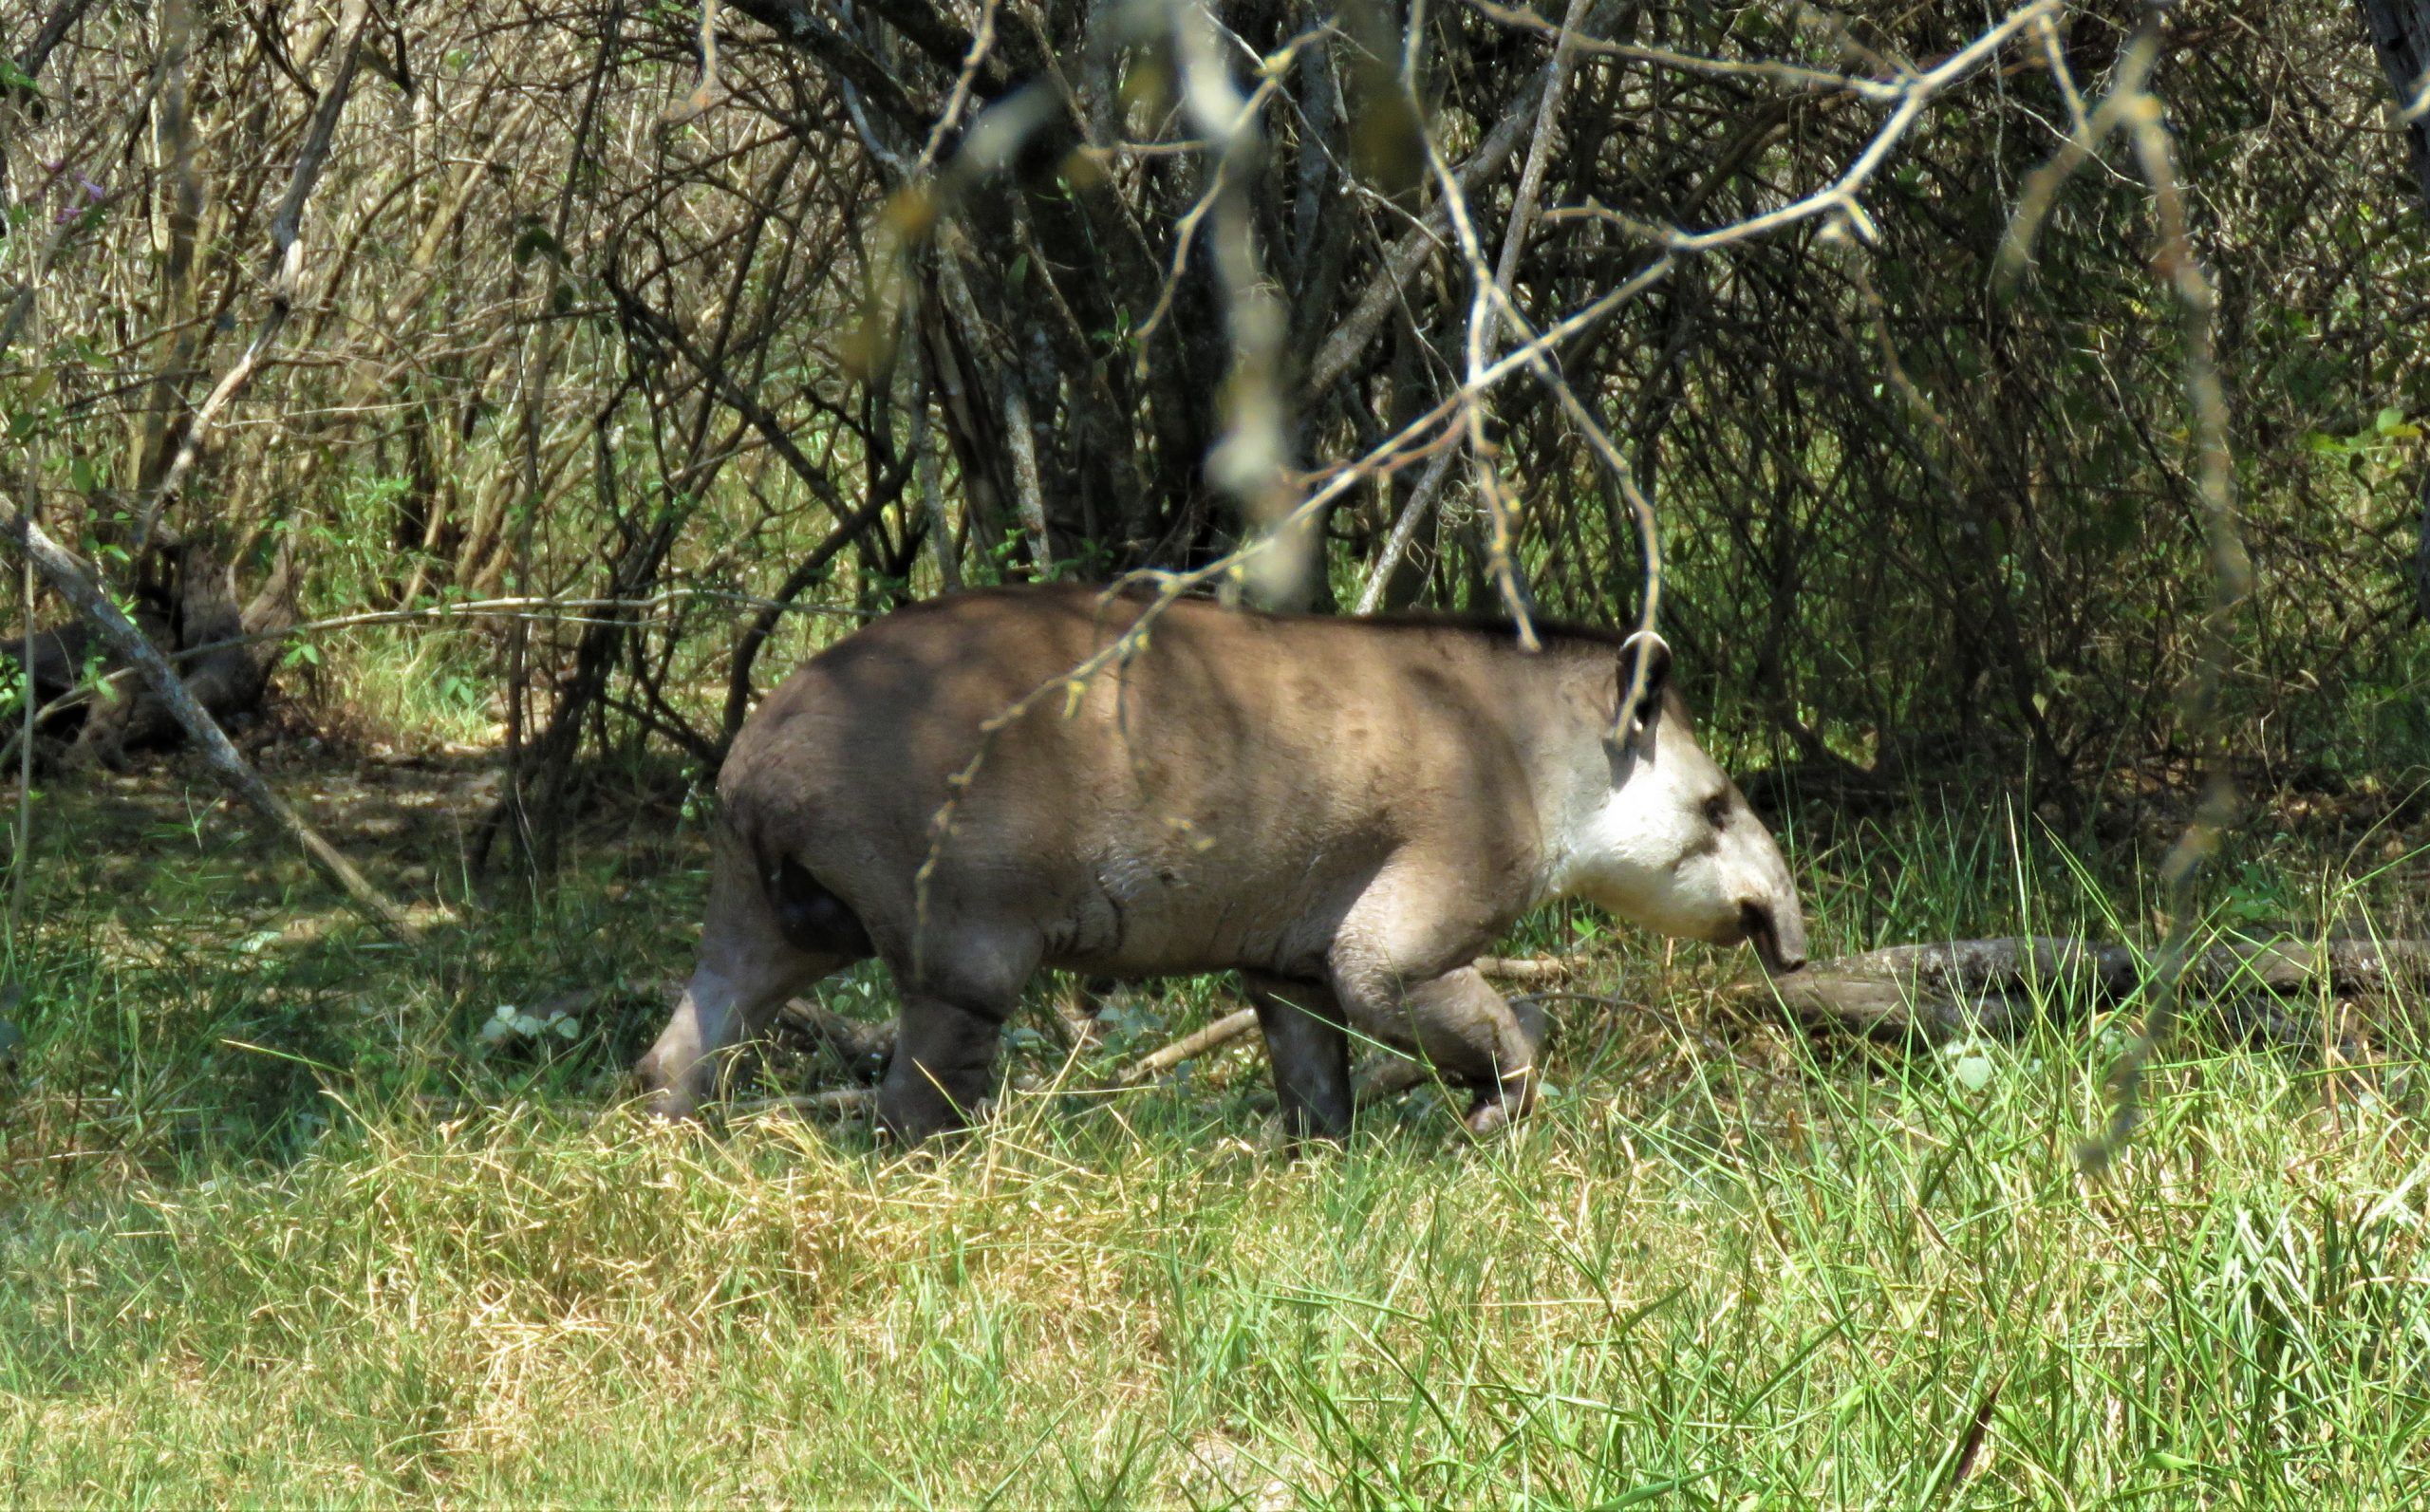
column 278, row 1229
column 431, row 682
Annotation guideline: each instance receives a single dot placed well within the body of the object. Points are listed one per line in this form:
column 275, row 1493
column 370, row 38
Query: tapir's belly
column 1131, row 917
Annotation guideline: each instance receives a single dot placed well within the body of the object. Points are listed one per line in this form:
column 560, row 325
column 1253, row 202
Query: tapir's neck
column 1558, row 705
column 1574, row 691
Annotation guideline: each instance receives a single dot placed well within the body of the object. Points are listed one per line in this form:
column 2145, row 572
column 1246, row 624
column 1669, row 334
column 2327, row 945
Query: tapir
column 1346, row 811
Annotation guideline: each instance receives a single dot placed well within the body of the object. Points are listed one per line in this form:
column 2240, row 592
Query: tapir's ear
column 1645, row 674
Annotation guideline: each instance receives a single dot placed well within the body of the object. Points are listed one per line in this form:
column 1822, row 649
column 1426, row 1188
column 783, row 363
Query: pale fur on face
column 1670, row 844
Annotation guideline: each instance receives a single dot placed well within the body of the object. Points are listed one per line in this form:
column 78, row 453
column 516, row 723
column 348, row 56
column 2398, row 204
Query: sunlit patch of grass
column 281, row 1228
column 431, row 688
column 1802, row 1290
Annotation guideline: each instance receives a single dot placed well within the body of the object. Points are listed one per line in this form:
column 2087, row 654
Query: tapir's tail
column 811, row 918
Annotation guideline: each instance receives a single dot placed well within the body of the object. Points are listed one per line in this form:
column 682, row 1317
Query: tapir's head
column 1670, row 843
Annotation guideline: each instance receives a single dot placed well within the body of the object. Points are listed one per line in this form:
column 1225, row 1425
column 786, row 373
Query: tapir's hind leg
column 954, row 1006
column 749, row 963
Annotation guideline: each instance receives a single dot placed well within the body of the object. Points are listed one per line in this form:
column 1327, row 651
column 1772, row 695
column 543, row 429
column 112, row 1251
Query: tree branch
column 54, row 30
column 1349, row 338
column 285, row 260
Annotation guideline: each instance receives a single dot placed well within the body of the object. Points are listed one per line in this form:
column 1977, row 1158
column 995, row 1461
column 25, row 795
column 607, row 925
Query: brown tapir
column 1347, row 810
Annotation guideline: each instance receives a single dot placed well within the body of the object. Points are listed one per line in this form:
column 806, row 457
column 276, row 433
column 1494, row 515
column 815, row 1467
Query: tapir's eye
column 1717, row 811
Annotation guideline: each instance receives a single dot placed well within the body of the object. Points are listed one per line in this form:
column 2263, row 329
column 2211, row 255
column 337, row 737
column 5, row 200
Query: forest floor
column 284, row 1220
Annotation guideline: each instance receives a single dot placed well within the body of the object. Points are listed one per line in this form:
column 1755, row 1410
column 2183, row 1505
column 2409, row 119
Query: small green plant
column 509, row 1026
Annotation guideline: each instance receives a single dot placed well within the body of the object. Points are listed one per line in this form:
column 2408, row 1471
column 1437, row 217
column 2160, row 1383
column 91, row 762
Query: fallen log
column 92, row 697
column 836, row 1101
column 1540, row 968
column 227, row 675
column 1189, row 1047
column 1224, row 1030
column 72, row 581
column 2268, row 992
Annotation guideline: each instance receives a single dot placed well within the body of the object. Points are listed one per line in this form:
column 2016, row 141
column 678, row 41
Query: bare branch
column 1348, row 341
column 1223, row 1031
column 285, row 262
column 54, row 27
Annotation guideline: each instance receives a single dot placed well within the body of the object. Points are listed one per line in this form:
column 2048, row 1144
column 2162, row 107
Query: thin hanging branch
column 21, row 855
column 2400, row 34
column 2134, row 111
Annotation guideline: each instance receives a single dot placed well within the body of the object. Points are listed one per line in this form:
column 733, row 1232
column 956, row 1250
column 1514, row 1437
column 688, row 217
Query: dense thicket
column 909, row 294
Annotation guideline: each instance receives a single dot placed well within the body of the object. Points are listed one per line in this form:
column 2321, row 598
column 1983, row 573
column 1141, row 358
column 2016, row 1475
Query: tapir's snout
column 1777, row 930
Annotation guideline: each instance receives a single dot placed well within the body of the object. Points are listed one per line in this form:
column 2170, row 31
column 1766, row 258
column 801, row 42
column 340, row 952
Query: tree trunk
column 2400, row 30
column 230, row 677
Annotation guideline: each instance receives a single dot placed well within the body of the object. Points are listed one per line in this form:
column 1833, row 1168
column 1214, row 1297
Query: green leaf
column 533, row 241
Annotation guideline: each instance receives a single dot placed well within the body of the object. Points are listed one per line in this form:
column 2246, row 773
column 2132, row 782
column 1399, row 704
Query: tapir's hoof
column 1493, row 1112
column 660, row 1097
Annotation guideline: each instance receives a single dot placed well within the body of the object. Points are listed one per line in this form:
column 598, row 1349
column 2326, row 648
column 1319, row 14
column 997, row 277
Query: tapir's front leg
column 1450, row 1017
column 1310, row 1052
column 1391, row 973
column 944, row 1059
column 1473, row 1033
column 954, row 1006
